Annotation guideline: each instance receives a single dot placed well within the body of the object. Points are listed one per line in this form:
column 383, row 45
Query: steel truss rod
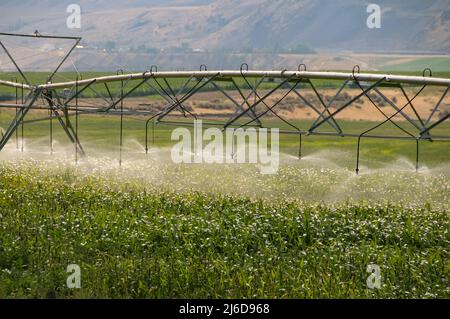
column 245, row 99
column 326, row 107
column 53, row 110
column 384, row 114
column 413, row 108
column 230, row 98
column 396, row 108
column 390, row 120
column 444, row 118
column 437, row 106
column 173, row 97
column 18, row 119
column 39, row 36
column 77, row 41
column 260, row 100
column 392, row 137
column 67, row 125
column 269, row 109
column 194, row 90
column 314, row 126
column 174, row 104
column 15, row 64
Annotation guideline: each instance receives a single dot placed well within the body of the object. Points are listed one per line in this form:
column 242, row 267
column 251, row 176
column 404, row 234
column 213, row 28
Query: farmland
column 137, row 242
column 150, row 228
column 153, row 229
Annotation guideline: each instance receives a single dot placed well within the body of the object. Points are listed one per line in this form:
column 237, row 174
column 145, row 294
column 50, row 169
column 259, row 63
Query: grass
column 434, row 63
column 131, row 243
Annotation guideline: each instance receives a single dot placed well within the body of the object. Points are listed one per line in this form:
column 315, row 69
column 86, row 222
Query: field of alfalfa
column 154, row 229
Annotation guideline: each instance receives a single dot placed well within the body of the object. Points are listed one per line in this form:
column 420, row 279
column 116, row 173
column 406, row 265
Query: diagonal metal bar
column 18, row 119
column 388, row 118
column 270, row 109
column 437, row 105
column 327, row 107
column 122, row 97
column 324, row 105
column 260, row 100
column 67, row 127
column 384, row 114
column 267, row 106
column 239, row 107
column 313, row 127
column 245, row 99
column 175, row 97
column 396, row 108
column 109, row 92
column 412, row 106
column 64, row 125
column 382, row 123
column 15, row 64
column 63, row 60
column 321, row 114
column 194, row 90
column 444, row 118
column 170, row 100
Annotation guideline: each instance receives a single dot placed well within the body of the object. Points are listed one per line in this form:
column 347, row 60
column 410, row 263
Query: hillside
column 282, row 24
column 190, row 32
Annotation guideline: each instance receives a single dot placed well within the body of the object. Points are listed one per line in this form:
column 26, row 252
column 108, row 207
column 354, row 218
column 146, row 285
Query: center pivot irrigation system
column 253, row 103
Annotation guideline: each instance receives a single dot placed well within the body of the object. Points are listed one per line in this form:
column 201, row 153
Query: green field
column 135, row 243
column 434, row 63
column 102, row 132
column 154, row 229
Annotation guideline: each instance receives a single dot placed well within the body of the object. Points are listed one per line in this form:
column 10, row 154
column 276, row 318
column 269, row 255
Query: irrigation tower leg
column 18, row 120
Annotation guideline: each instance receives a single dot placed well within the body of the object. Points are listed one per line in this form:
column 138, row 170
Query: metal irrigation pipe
column 146, row 132
column 369, row 77
column 50, row 111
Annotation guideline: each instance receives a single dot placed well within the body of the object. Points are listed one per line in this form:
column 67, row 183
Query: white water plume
column 316, row 178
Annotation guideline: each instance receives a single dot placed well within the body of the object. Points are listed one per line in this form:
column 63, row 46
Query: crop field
column 154, row 229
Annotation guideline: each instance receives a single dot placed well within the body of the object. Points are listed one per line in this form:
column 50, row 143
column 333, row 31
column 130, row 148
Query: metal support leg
column 76, row 120
column 18, row 119
column 121, row 124
column 22, row 128
column 417, row 155
column 299, row 146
